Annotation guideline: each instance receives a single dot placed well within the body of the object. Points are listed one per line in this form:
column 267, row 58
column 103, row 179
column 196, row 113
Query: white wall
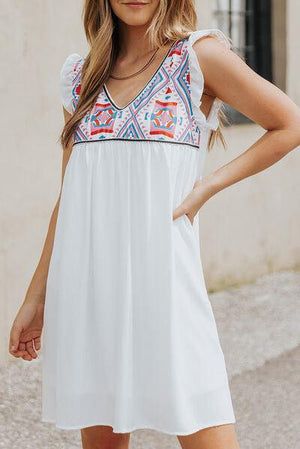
column 252, row 227
column 36, row 37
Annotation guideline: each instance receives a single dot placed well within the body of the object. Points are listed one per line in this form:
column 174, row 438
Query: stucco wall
column 249, row 229
column 252, row 227
column 36, row 37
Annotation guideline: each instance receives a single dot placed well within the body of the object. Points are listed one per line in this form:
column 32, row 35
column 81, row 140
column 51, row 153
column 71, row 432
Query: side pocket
column 188, row 221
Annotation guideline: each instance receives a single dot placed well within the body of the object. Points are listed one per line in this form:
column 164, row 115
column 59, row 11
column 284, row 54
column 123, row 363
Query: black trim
column 146, row 85
column 136, row 140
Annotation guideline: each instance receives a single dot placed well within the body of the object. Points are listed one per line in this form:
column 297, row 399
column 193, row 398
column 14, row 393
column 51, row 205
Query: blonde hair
column 101, row 29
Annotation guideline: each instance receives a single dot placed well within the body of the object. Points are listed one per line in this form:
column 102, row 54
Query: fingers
column 30, row 349
column 37, row 343
column 14, row 339
column 26, row 351
column 27, row 357
column 17, row 353
column 20, row 349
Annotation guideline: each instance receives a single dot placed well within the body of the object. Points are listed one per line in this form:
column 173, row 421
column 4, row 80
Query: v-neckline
column 146, row 85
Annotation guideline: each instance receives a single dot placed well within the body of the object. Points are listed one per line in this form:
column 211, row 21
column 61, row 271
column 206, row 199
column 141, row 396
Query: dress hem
column 133, row 429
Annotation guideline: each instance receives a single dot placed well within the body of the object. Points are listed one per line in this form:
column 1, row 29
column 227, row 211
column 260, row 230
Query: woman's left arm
column 229, row 78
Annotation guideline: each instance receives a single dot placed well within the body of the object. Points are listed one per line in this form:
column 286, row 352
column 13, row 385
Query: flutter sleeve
column 67, row 75
column 197, row 79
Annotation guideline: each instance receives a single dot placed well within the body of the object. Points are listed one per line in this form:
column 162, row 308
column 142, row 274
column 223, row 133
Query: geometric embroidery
column 102, row 118
column 163, row 119
column 162, row 111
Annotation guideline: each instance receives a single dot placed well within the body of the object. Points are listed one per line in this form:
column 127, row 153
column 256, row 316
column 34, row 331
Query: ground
column 259, row 330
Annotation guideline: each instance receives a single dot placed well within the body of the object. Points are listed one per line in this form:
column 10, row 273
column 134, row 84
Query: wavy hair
column 101, row 29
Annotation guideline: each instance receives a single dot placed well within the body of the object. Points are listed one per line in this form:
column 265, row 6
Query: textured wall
column 252, row 227
column 36, row 36
column 249, row 229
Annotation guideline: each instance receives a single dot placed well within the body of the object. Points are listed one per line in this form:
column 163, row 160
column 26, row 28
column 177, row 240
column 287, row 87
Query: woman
column 129, row 337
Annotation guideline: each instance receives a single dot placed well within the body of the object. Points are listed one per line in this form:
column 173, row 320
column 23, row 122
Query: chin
column 135, row 21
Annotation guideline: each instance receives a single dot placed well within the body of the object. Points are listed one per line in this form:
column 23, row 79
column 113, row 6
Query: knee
column 102, row 437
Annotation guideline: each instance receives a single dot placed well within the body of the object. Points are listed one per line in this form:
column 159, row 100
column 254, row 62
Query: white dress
column 129, row 336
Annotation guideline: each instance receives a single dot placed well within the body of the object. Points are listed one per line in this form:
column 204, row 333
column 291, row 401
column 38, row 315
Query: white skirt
column 129, row 336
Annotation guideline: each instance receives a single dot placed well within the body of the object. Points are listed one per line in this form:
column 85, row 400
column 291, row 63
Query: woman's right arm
column 27, row 325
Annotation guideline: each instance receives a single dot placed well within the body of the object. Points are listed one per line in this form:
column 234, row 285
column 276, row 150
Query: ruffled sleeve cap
column 197, row 79
column 67, row 74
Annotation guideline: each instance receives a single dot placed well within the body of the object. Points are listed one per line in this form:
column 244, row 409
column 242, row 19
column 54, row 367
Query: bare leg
column 102, row 437
column 216, row 437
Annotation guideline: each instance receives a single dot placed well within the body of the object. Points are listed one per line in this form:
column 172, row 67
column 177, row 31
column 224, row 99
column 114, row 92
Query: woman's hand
column 200, row 193
column 25, row 334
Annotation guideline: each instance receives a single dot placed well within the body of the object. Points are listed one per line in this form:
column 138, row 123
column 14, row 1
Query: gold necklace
column 138, row 72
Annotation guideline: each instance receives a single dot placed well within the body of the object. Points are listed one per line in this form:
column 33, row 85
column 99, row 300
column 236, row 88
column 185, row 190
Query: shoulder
column 209, row 45
column 208, row 49
column 202, row 45
column 70, row 64
column 205, row 47
column 68, row 72
column 209, row 37
column 211, row 54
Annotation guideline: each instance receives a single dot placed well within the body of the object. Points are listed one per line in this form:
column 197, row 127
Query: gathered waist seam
column 136, row 140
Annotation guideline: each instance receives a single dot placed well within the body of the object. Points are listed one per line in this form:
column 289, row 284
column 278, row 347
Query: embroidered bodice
column 167, row 109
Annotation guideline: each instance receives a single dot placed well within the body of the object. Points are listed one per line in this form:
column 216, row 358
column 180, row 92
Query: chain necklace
column 139, row 71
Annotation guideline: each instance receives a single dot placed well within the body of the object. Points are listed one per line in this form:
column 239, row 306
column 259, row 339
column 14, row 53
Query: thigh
column 103, row 437
column 215, row 437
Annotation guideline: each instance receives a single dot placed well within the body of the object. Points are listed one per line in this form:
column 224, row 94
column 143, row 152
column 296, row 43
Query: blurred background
column 250, row 245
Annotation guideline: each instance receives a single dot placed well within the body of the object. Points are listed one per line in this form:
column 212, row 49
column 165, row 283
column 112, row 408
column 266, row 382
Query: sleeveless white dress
column 129, row 336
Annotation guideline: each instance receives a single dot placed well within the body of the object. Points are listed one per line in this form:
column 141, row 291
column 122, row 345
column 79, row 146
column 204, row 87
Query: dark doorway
column 258, row 51
column 249, row 24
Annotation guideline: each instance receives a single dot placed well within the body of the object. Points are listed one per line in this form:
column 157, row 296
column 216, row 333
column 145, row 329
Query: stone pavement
column 259, row 330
